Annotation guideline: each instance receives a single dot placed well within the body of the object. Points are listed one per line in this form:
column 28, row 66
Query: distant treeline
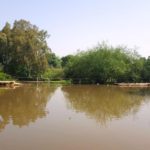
column 107, row 64
column 25, row 55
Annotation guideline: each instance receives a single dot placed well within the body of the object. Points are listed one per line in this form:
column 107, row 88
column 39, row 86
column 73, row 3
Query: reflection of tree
column 24, row 105
column 102, row 103
column 142, row 91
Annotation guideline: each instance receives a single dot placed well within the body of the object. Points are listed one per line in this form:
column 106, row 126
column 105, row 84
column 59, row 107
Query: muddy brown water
column 74, row 117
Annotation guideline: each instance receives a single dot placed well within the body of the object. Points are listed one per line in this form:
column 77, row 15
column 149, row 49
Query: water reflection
column 141, row 91
column 24, row 105
column 103, row 103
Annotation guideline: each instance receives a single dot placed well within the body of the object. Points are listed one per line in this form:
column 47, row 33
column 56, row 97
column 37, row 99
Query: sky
column 81, row 24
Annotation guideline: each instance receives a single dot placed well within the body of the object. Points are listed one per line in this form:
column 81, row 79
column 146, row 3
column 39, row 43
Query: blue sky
column 81, row 24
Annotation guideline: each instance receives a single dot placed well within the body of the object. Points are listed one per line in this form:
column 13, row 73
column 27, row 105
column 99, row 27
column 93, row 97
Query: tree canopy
column 23, row 49
column 107, row 64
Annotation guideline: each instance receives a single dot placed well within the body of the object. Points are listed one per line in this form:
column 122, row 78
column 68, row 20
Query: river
column 74, row 117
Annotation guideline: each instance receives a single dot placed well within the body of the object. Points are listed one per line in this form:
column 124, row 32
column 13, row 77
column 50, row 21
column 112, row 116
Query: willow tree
column 23, row 49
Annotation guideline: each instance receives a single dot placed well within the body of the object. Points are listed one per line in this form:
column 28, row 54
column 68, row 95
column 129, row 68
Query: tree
column 146, row 70
column 65, row 60
column 53, row 60
column 23, row 49
column 105, row 64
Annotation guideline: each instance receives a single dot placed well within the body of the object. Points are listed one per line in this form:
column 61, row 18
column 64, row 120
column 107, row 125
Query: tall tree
column 23, row 49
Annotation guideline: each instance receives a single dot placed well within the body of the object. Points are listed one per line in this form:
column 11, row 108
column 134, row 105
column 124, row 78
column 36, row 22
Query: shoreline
column 133, row 84
column 9, row 84
column 14, row 83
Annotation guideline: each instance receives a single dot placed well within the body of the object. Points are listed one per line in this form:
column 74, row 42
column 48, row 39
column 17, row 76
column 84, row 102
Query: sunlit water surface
column 75, row 117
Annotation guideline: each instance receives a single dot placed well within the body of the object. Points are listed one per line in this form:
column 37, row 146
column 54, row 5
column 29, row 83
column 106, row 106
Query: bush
column 105, row 64
column 54, row 74
column 4, row 76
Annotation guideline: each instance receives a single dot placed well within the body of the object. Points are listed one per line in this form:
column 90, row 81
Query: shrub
column 54, row 74
column 4, row 76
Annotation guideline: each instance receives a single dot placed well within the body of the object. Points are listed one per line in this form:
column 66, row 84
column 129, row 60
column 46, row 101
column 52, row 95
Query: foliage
column 146, row 70
column 105, row 64
column 65, row 60
column 23, row 49
column 54, row 74
column 53, row 60
column 4, row 76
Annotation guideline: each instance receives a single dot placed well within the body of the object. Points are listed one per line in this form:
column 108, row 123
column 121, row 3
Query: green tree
column 65, row 60
column 23, row 49
column 53, row 60
column 146, row 70
column 105, row 64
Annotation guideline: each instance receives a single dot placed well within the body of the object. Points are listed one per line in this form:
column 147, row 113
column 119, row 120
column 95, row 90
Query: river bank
column 16, row 84
column 9, row 84
column 133, row 84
